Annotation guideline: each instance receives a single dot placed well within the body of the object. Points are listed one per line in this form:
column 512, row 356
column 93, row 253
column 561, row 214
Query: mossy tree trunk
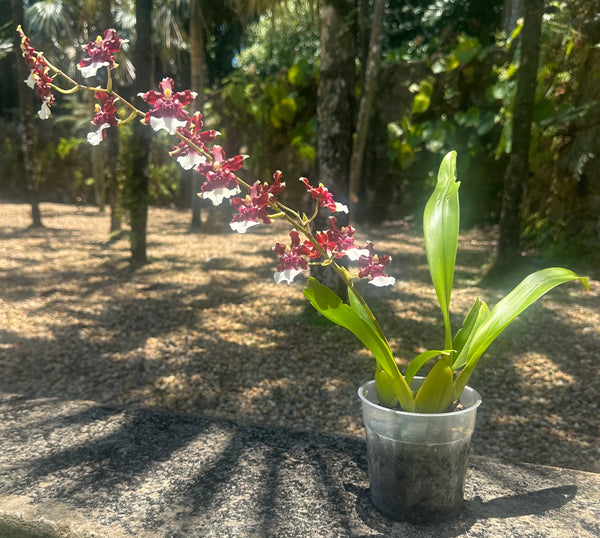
column 335, row 111
column 517, row 172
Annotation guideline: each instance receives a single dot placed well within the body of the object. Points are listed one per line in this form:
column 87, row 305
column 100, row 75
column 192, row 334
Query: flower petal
column 217, row 195
column 30, row 80
column 381, row 281
column 241, row 226
column 355, row 253
column 168, row 124
column 44, row 113
column 88, row 71
column 190, row 160
column 287, row 275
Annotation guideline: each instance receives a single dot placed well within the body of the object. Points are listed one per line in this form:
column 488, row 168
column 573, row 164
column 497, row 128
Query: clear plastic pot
column 418, row 462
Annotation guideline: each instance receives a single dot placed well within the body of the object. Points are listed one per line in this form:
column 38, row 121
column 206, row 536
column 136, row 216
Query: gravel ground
column 203, row 329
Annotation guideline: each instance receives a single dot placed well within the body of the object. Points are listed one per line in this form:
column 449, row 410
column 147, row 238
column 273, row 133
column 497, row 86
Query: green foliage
column 291, row 40
column 67, row 145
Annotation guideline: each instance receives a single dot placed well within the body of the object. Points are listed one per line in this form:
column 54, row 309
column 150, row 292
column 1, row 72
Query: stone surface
column 80, row 470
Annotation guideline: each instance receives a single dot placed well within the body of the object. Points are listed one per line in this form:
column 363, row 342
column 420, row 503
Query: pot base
column 417, row 483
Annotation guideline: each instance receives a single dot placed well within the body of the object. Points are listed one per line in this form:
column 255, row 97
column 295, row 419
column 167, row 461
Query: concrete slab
column 78, row 469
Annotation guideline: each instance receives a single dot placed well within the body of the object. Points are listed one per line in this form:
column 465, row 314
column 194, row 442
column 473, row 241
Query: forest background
column 445, row 76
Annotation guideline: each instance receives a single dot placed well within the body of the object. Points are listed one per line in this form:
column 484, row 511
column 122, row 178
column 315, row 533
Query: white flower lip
column 341, row 208
column 286, row 276
column 95, row 137
column 44, row 113
column 190, row 160
column 242, row 226
column 90, row 70
column 216, row 196
column 381, row 281
column 355, row 253
column 168, row 124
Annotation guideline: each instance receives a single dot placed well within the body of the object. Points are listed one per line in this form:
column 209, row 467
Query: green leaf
column 421, row 103
column 334, row 309
column 525, row 294
column 437, row 390
column 385, row 388
column 467, row 328
column 417, row 363
column 361, row 308
column 440, row 230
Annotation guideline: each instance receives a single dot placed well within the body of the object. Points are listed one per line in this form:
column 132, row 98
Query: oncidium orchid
column 196, row 150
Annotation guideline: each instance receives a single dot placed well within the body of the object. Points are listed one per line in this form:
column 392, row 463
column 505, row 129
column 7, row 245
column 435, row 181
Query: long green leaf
column 524, row 295
column 466, row 330
column 334, row 309
column 440, row 229
column 361, row 308
column 417, row 363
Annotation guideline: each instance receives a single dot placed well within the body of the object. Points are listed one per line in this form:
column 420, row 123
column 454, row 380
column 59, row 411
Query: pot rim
column 469, row 409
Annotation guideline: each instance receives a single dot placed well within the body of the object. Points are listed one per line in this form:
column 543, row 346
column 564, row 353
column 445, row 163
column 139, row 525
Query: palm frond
column 48, row 18
column 6, row 47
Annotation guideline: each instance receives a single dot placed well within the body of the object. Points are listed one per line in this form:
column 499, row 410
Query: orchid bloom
column 186, row 155
column 100, row 54
column 220, row 182
column 373, row 266
column 324, row 197
column 104, row 117
column 254, row 208
column 168, row 113
column 340, row 242
column 291, row 262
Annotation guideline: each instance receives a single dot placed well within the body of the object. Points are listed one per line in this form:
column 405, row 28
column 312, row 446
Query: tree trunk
column 335, row 112
column 366, row 105
column 137, row 182
column 27, row 129
column 512, row 11
column 517, row 171
column 197, row 79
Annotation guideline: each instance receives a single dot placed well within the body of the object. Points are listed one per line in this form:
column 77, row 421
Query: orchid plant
column 196, row 150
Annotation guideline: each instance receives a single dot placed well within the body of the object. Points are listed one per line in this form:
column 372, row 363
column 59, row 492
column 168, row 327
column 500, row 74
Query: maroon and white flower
column 187, row 156
column 338, row 242
column 100, row 53
column 220, row 182
column 40, row 77
column 373, row 267
column 324, row 197
column 168, row 113
column 291, row 260
column 104, row 117
column 255, row 207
